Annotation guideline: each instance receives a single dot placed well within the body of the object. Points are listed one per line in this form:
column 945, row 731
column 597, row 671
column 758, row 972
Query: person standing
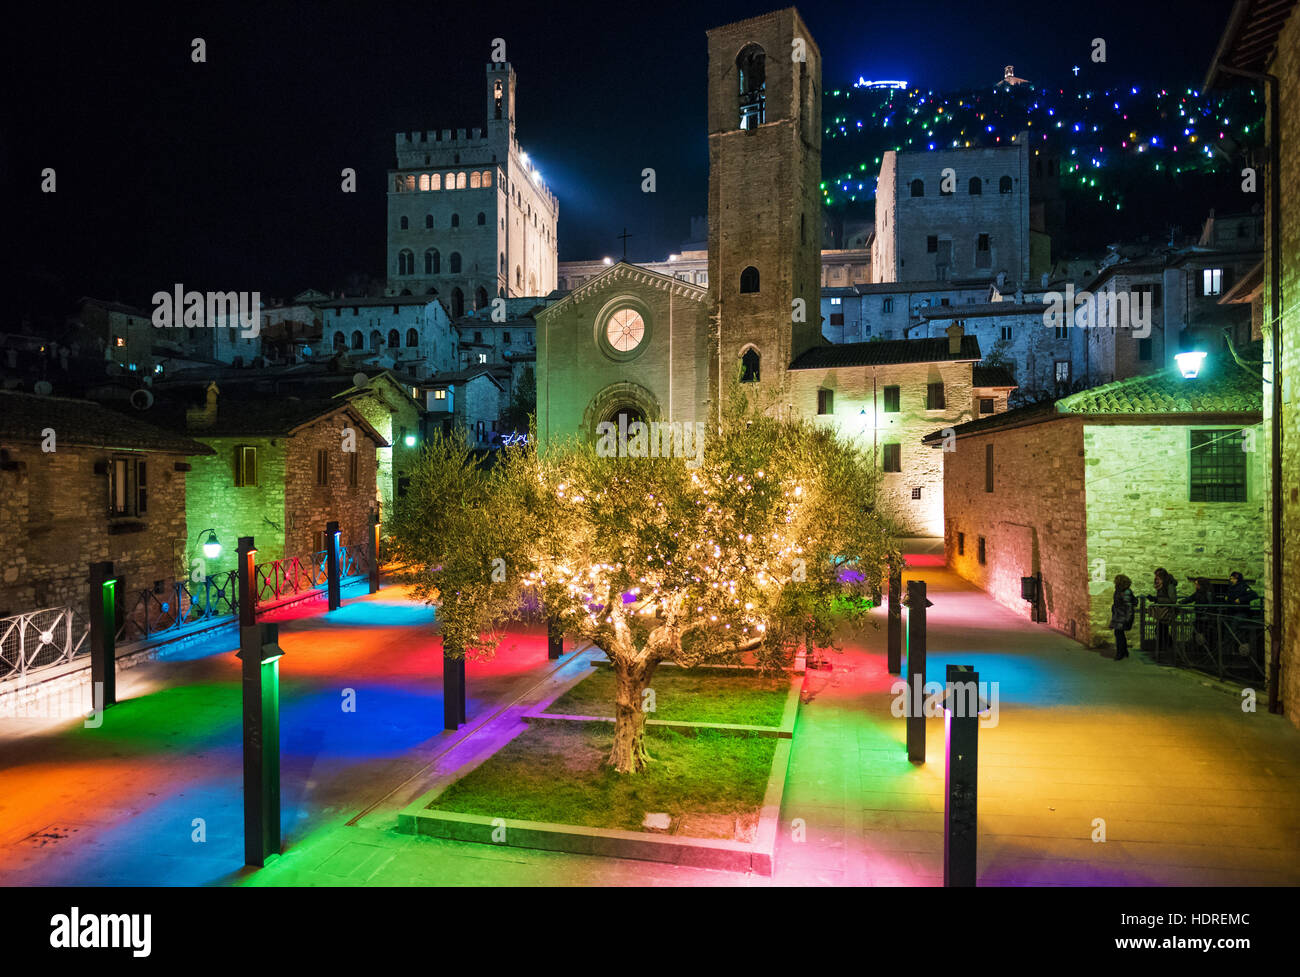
column 1121, row 614
column 1166, row 596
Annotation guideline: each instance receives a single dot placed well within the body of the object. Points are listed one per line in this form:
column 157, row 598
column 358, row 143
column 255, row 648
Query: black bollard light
column 962, row 707
column 917, row 602
column 453, row 691
column 374, row 551
column 554, row 638
column 332, row 564
column 103, row 632
column 895, row 620
column 259, row 651
column 246, row 572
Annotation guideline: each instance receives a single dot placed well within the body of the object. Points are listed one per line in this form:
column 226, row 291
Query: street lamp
column 211, row 545
column 1189, row 363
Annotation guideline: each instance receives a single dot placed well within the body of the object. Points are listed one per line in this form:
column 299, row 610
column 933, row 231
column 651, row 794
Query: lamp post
column 1190, row 363
column 211, row 545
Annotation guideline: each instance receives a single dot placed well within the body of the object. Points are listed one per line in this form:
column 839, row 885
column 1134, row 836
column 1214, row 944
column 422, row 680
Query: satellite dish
column 142, row 399
column 360, row 380
column 43, row 387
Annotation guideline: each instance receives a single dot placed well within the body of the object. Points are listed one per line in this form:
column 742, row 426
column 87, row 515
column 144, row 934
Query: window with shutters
column 322, row 466
column 825, row 401
column 354, row 465
column 891, row 400
column 128, row 488
column 934, row 396
column 892, row 461
column 245, row 466
column 988, row 468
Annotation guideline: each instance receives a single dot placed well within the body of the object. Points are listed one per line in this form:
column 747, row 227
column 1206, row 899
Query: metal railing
column 178, row 606
column 149, row 613
column 41, row 639
column 1218, row 639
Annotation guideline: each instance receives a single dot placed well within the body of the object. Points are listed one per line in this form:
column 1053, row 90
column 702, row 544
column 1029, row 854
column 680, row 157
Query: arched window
column 435, row 181
column 404, row 223
column 399, row 184
column 460, row 181
column 410, row 182
column 406, row 262
column 749, row 280
column 376, row 340
column 394, row 340
column 432, row 262
column 454, row 262
column 424, row 181
column 457, row 303
column 428, row 221
column 749, row 366
column 503, row 264
column 487, row 178
column 532, row 284
column 1004, row 185
column 976, row 186
column 340, row 341
column 918, row 188
column 412, row 338
column 455, row 220
column 482, row 219
column 751, row 69
column 519, row 277
column 481, row 298
column 475, row 181
column 357, row 341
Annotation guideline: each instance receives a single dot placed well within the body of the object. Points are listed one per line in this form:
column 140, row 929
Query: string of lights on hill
column 1116, row 147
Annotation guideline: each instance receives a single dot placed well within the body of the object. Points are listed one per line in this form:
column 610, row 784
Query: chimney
column 955, row 334
column 205, row 417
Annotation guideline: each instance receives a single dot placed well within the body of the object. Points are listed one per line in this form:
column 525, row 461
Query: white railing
column 41, row 639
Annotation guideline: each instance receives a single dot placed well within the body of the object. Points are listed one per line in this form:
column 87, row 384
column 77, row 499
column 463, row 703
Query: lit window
column 440, row 395
column 837, row 301
column 1212, row 281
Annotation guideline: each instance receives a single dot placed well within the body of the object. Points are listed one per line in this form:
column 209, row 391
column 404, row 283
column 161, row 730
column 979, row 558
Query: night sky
column 225, row 175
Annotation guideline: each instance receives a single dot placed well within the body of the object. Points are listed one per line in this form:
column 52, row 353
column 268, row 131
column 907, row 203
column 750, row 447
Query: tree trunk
column 628, row 754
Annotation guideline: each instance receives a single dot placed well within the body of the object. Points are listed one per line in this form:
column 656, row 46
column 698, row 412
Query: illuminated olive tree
column 736, row 554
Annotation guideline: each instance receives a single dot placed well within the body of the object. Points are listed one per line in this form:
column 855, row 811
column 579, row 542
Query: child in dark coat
column 1121, row 614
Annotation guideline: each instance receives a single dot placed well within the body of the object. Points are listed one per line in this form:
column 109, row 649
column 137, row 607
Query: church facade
column 632, row 344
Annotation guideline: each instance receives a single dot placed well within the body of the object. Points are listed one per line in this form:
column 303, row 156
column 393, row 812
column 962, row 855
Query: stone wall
column 232, row 511
column 1287, row 68
column 1032, row 521
column 1139, row 516
column 309, row 506
column 54, row 522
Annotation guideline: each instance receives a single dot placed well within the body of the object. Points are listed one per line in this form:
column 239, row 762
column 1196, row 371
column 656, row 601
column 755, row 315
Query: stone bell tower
column 765, row 222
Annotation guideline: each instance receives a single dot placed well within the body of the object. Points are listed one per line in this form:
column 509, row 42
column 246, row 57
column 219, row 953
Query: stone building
column 469, row 218
column 1041, row 357
column 469, row 400
column 956, row 214
column 281, row 467
column 887, row 395
column 411, row 335
column 110, row 487
column 1181, row 288
column 885, row 310
column 1150, row 471
column 1264, row 37
column 123, row 333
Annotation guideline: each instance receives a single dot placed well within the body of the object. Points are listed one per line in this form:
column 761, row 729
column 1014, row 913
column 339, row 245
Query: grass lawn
column 689, row 695
column 711, row 784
